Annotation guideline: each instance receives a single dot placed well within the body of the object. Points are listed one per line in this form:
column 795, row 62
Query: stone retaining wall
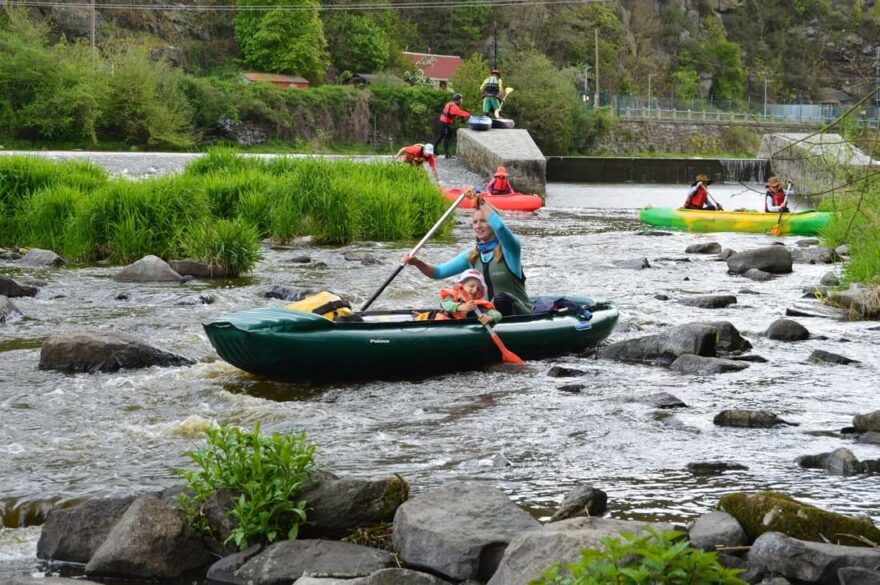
column 628, row 136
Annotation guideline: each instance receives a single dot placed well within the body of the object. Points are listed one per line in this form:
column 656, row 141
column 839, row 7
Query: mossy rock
column 774, row 512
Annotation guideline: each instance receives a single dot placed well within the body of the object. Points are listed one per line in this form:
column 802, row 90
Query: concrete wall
column 677, row 136
column 604, row 169
column 483, row 152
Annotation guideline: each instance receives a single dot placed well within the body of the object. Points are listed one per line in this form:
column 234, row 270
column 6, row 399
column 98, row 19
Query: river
column 69, row 437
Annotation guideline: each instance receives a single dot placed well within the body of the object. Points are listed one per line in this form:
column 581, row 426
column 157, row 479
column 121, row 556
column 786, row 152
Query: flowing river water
column 64, row 438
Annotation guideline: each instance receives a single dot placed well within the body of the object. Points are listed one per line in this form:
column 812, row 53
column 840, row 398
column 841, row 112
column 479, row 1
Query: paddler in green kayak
column 698, row 197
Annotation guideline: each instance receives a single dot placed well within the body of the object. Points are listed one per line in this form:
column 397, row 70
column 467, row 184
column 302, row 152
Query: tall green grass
column 217, row 210
column 856, row 223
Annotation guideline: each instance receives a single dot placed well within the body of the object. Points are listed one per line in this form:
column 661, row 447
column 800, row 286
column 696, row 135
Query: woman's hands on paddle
column 485, row 319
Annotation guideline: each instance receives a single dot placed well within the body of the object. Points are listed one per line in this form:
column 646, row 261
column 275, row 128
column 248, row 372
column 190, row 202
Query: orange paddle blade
column 506, row 355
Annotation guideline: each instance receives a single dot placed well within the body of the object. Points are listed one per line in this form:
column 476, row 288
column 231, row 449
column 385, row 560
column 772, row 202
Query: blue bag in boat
column 546, row 305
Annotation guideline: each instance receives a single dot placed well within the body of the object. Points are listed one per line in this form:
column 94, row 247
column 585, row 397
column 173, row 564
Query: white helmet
column 428, row 149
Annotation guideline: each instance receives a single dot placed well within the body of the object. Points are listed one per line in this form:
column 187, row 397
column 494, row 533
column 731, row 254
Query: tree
column 357, row 44
column 686, row 84
column 467, row 80
column 286, row 39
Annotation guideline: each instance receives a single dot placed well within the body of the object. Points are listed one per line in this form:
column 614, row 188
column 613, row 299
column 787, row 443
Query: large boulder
column 148, row 269
column 103, row 352
column 859, row 576
column 459, row 531
column 772, row 259
column 284, row 562
column 335, row 507
column 151, row 541
column 699, row 365
column 224, row 570
column 787, row 330
column 841, row 462
column 74, row 534
column 867, row 422
column 749, row 419
column 38, row 257
column 709, row 301
column 664, row 348
column 381, row 577
column 8, row 310
column 716, row 529
column 196, row 269
column 728, row 338
column 807, row 562
column 862, row 302
column 814, row 255
column 583, row 500
column 821, row 356
column 764, row 512
column 530, row 553
column 703, row 248
column 10, row 288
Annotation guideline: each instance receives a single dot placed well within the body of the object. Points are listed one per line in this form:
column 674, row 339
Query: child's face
column 473, row 288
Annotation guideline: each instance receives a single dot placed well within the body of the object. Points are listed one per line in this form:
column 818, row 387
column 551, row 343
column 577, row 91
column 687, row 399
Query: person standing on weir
column 492, row 89
column 447, row 120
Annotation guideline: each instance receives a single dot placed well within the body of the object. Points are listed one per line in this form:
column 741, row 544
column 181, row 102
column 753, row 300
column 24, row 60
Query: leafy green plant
column 655, row 558
column 231, row 246
column 264, row 473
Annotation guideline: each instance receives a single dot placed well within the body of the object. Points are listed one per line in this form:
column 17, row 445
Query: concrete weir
column 483, row 152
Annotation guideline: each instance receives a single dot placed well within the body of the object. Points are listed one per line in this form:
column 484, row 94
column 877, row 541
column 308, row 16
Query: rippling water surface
column 68, row 437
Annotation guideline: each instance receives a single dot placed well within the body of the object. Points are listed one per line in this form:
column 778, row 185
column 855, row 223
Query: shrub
column 739, row 140
column 264, row 473
column 231, row 246
column 656, row 558
column 44, row 220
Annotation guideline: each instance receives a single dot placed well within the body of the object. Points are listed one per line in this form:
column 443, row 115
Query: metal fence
column 661, row 108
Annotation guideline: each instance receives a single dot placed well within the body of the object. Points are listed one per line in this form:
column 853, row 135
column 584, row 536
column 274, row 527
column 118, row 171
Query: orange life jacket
column 499, row 186
column 459, row 296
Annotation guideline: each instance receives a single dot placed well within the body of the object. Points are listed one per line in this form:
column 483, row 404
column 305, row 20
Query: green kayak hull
column 290, row 345
column 801, row 223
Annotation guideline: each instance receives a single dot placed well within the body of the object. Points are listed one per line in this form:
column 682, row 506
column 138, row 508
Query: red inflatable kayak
column 514, row 202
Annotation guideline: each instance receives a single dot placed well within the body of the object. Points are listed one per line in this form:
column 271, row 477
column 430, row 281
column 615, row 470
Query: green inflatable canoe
column 801, row 223
column 292, row 345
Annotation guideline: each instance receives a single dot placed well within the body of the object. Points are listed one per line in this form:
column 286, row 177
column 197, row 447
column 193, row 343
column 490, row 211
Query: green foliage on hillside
column 283, row 41
column 357, row 44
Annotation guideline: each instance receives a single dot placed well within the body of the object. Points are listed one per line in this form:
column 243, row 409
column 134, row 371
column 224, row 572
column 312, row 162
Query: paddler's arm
column 509, row 242
column 455, row 266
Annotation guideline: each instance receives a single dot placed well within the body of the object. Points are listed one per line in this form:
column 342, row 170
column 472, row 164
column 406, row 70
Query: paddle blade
column 506, row 355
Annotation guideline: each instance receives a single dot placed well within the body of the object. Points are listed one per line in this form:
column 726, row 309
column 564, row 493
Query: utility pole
column 650, row 75
column 494, row 45
column 586, row 95
column 765, row 97
column 877, row 73
column 92, row 36
column 597, row 69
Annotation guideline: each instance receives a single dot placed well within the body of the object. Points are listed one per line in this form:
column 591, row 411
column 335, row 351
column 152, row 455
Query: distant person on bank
column 776, row 198
column 496, row 255
column 698, row 197
column 417, row 155
column 499, row 185
column 492, row 88
column 447, row 121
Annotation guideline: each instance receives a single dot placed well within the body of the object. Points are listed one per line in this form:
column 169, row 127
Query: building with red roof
column 290, row 81
column 438, row 68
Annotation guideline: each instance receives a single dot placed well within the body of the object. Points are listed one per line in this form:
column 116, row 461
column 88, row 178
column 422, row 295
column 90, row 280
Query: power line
column 420, row 5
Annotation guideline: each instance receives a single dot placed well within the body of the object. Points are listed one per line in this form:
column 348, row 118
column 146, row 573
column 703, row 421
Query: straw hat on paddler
column 774, row 183
column 703, row 179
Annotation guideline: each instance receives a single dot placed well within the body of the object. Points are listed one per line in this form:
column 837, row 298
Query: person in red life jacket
column 499, row 185
column 417, row 155
column 776, row 198
column 698, row 197
column 447, row 120
column 467, row 294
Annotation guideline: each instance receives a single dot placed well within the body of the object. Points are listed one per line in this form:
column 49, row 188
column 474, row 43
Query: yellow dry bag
column 324, row 303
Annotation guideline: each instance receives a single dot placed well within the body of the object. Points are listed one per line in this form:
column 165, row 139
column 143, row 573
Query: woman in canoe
column 776, row 198
column 496, row 255
column 499, row 185
column 698, row 197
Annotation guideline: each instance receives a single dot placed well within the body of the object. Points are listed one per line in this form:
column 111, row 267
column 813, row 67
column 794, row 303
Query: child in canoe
column 467, row 294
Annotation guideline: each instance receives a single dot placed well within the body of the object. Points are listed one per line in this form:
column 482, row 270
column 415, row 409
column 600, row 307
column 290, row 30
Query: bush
column 855, row 222
column 264, row 473
column 43, row 222
column 232, row 247
column 739, row 140
column 657, row 558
